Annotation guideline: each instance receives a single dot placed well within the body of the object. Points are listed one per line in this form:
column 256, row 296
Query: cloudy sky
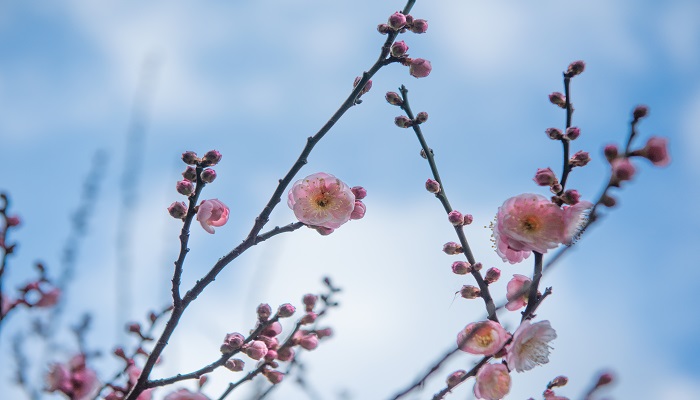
column 253, row 79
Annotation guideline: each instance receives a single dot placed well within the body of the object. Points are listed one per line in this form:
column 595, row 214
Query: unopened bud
column 470, row 292
column 184, row 187
column 398, row 49
column 403, row 121
column 556, row 188
column 545, row 177
column 211, row 158
column 571, row 197
column 559, row 381
column 232, row 341
column 393, row 98
column 235, row 364
column 274, row 377
column 477, row 267
column 309, row 318
column 558, row 99
column 461, row 267
column 365, row 89
column 424, row 155
column 264, row 311
column 608, row 201
column 554, row 133
column 468, row 219
column 383, row 29
column 622, row 169
column 575, row 68
column 419, row 26
column 610, row 152
column 119, row 352
column 208, row 175
column 134, row 328
column 190, row 173
column 309, row 301
column 580, row 159
column 640, row 112
column 177, row 210
column 190, row 157
column 286, row 310
column 285, row 354
column 604, row 379
column 419, row 67
column 455, row 217
column 321, row 333
column 492, row 275
column 397, row 21
column 452, row 248
column 456, row 378
column 421, row 117
column 309, row 342
column 359, row 192
column 572, row 133
column 432, row 186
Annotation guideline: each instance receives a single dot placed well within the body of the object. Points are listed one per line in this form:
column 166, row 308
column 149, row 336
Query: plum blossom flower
column 517, row 292
column 485, row 337
column 530, row 222
column 530, row 345
column 74, row 379
column 419, row 68
column 184, row 394
column 656, row 151
column 212, row 213
column 322, row 200
column 492, row 382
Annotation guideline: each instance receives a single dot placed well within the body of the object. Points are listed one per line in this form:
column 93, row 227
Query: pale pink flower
column 530, row 222
column 321, row 200
column 492, row 382
column 74, row 379
column 212, row 213
column 517, row 292
column 530, row 345
column 485, row 337
column 184, row 394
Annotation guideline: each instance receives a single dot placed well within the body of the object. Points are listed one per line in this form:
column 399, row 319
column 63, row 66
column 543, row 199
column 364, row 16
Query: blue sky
column 254, row 79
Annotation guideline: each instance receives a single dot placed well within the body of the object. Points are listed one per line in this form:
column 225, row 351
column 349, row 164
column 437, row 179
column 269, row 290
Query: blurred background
column 112, row 92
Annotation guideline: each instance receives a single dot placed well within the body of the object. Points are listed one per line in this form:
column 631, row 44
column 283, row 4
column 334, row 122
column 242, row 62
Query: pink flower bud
column 556, row 188
column 285, row 354
column 309, row 342
column 656, row 151
column 571, row 197
column 309, row 318
column 367, row 87
column 184, row 187
column 575, row 68
column 211, row 158
column 470, row 292
column 492, row 275
column 477, row 267
column 321, row 333
column 545, row 177
column 432, row 186
column 554, row 133
column 309, row 301
column 558, row 99
column 455, row 217
column 274, row 377
column 272, row 330
column 604, row 379
column 256, row 349
column 177, row 210
column 119, row 352
column 409, row 19
column 608, row 201
column 468, row 219
column 622, row 169
column 456, row 378
column 403, row 121
column 610, row 152
column 580, row 159
column 452, row 248
column 461, row 267
column 421, row 117
column 190, row 157
column 419, row 26
column 397, row 21
column 572, row 133
column 271, row 355
column 359, row 211
column 559, row 381
column 286, row 310
column 264, row 311
column 50, row 298
column 190, row 173
column 232, row 341
column 383, row 29
column 134, row 327
column 235, row 364
column 208, row 175
column 419, row 68
column 398, row 49
column 393, row 98
column 359, row 192
column 640, row 112
column 271, row 342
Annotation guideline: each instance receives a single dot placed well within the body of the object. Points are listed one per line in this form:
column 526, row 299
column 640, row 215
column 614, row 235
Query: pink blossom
column 419, row 68
column 545, row 177
column 74, row 379
column 656, row 151
column 49, row 298
column 134, row 372
column 530, row 345
column 184, row 394
column 622, row 170
column 212, row 213
column 517, row 293
column 485, row 337
column 309, row 342
column 530, row 222
column 492, row 382
column 321, row 200
column 359, row 211
column 256, row 349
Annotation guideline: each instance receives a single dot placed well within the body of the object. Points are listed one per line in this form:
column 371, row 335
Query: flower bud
column 367, row 87
column 421, row 117
column 456, row 378
column 285, row 354
column 556, row 188
column 492, row 275
column 461, row 267
column 571, row 197
column 208, row 175
column 272, row 330
column 184, row 187
column 359, row 192
column 309, row 318
column 409, row 19
column 604, row 379
column 359, row 211
column 211, row 158
column 622, row 169
column 432, row 186
column 575, row 68
column 640, row 112
column 393, row 98
column 452, row 248
column 309, row 301
column 419, row 68
column 398, row 49
column 190, row 157
column 256, row 349
column 554, row 133
column 424, row 155
column 321, row 333
column 264, row 311
column 477, row 267
column 274, row 377
column 572, row 133
column 419, row 26
column 403, row 121
column 558, row 99
column 545, row 177
column 468, row 219
column 235, row 364
column 455, row 217
column 309, row 342
column 190, row 173
column 580, row 159
column 608, row 201
column 286, row 310
column 383, row 29
column 177, row 210
column 232, row 341
column 559, row 381
column 610, row 152
column 655, row 151
column 397, row 21
column 470, row 292
column 134, row 327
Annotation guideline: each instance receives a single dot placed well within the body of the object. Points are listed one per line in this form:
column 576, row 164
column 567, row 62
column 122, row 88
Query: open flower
column 322, row 200
column 492, row 382
column 517, row 292
column 73, row 379
column 485, row 337
column 212, row 213
column 530, row 345
column 530, row 222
